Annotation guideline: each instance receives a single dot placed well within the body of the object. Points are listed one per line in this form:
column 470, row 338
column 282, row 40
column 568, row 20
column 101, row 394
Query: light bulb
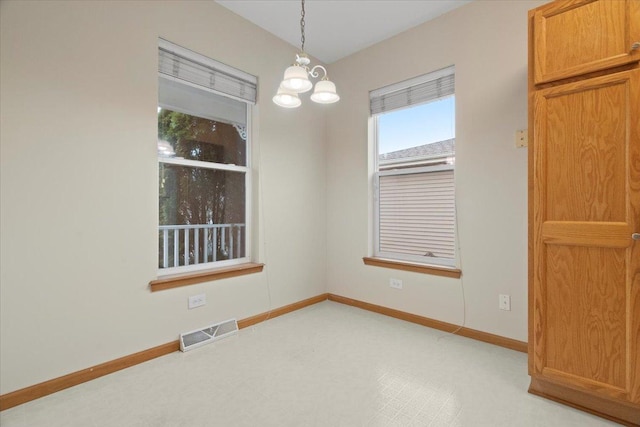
column 296, row 83
column 296, row 79
column 287, row 99
column 325, row 93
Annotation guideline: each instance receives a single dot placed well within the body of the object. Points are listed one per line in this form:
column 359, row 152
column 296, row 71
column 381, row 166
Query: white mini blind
column 430, row 87
column 190, row 99
column 417, row 215
column 187, row 66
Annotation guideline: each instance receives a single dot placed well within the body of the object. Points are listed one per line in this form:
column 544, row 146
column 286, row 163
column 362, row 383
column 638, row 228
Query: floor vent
column 200, row 337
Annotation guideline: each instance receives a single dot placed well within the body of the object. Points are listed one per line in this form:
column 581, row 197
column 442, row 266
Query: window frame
column 425, row 165
column 191, row 268
column 247, row 169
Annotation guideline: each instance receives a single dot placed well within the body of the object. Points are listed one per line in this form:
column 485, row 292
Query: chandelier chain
column 302, row 25
column 296, row 79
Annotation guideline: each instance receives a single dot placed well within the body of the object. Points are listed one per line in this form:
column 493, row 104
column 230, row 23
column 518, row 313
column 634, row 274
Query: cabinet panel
column 586, row 314
column 575, row 37
column 585, row 146
column 586, row 266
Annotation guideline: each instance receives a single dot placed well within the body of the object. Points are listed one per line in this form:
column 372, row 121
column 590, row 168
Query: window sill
column 175, row 281
column 416, row 268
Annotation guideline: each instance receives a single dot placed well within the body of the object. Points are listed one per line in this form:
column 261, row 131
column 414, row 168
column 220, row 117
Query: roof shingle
column 435, row 149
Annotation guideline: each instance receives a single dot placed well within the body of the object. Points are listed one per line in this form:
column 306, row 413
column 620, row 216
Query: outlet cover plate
column 395, row 283
column 197, row 301
column 522, row 138
column 504, row 302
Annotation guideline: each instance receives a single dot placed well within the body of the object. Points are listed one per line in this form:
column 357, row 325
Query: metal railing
column 181, row 245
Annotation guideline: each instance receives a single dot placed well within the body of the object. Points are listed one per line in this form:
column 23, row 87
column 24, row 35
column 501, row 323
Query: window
column 203, row 154
column 414, row 194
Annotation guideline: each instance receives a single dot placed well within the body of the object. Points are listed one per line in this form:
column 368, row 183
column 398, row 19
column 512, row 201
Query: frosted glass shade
column 296, row 80
column 286, row 98
column 325, row 93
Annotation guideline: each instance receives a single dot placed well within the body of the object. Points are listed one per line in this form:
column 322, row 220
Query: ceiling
column 335, row 29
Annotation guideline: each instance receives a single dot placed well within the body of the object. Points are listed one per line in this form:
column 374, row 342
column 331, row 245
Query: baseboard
column 37, row 391
column 280, row 311
column 435, row 324
column 27, row 394
column 624, row 413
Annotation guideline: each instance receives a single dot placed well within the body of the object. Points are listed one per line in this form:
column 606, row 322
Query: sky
column 418, row 125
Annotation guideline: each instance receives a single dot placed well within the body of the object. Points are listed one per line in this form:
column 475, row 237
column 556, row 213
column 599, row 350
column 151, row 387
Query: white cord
column 261, row 207
column 464, row 300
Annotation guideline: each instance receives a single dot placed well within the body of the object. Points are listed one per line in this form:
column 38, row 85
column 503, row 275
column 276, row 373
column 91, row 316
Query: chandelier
column 296, row 80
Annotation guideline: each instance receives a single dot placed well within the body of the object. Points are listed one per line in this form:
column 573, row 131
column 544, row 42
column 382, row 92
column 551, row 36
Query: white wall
column 79, row 183
column 487, row 42
column 78, row 177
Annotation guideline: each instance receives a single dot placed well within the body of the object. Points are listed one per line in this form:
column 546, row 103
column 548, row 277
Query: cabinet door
column 580, row 36
column 586, row 205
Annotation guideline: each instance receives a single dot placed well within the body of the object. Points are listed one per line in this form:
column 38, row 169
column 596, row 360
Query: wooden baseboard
column 435, row 324
column 623, row 413
column 18, row 397
column 27, row 394
column 280, row 311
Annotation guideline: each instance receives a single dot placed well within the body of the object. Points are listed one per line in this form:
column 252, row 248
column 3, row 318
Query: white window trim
column 248, row 206
column 410, row 167
column 247, row 170
column 179, row 161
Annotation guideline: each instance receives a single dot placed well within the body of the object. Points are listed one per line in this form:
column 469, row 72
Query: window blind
column 176, row 96
column 417, row 214
column 431, row 87
column 184, row 65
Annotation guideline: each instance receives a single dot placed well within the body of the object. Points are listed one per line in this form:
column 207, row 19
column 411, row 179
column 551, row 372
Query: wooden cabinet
column 584, row 206
column 577, row 37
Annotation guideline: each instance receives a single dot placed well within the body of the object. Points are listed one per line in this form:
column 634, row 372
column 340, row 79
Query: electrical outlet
column 395, row 283
column 505, row 302
column 522, row 139
column 197, row 301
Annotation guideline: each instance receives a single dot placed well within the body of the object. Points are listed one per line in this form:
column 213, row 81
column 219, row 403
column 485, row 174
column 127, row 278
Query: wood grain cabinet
column 584, row 206
column 577, row 37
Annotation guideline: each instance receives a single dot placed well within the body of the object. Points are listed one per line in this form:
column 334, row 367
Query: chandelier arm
column 314, row 74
